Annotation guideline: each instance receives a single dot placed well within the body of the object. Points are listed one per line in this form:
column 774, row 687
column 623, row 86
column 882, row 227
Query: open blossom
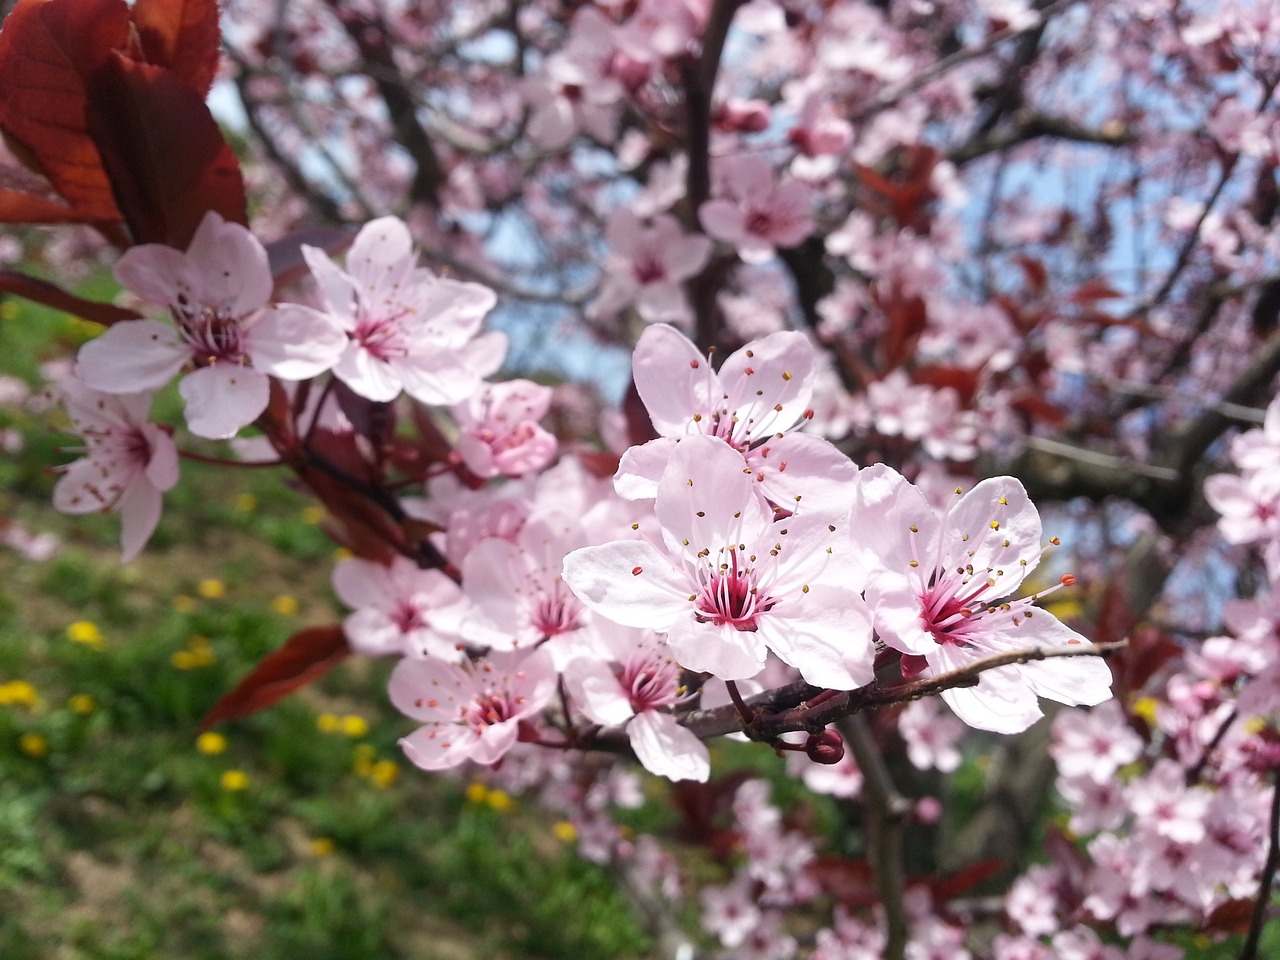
column 215, row 292
column 937, row 585
column 407, row 328
column 755, row 213
column 761, row 391
column 128, row 462
column 472, row 711
column 631, row 679
column 399, row 609
column 728, row 583
column 498, row 432
column 646, row 268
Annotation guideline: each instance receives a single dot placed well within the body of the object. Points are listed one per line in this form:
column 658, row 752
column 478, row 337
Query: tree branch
column 1261, row 905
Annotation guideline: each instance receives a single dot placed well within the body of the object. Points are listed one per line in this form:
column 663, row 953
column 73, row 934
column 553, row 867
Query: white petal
column 668, row 749
column 222, row 398
column 368, row 376
column 139, row 507
column 294, row 342
column 132, row 355
column 628, row 581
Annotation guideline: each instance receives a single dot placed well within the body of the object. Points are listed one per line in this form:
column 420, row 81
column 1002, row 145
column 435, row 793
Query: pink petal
column 294, row 342
column 674, row 381
column 629, row 582
column 139, row 507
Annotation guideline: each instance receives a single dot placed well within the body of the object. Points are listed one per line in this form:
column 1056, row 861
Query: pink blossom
column 128, row 462
column 931, row 736
column 646, row 268
column 1094, row 743
column 498, row 429
column 755, row 213
column 728, row 583
column 407, row 328
column 761, row 391
column 399, row 609
column 630, row 679
column 575, row 89
column 215, row 292
column 470, row 711
column 936, row 586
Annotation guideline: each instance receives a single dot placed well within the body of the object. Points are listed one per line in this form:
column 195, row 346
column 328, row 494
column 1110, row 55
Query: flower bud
column 825, row 747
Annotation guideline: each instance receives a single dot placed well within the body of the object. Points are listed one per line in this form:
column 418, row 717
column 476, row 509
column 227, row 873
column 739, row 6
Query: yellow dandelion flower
column 245, row 502
column 210, row 743
column 384, row 774
column 8, row 310
column 321, row 847
column 1145, row 707
column 211, row 588
column 82, row 704
column 19, row 693
column 1255, row 725
column 477, row 792
column 285, row 605
column 328, row 723
column 184, row 604
column 33, row 745
column 235, row 780
column 183, row 660
column 87, row 633
column 312, row 514
column 500, row 801
column 355, row 726
column 564, row 831
column 342, row 553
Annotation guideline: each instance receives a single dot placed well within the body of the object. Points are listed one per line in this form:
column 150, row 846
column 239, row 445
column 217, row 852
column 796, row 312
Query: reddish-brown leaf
column 849, row 881
column 163, row 151
column 306, row 656
column 960, row 379
column 47, row 49
column 181, row 36
column 51, row 295
column 1233, row 916
column 1091, row 291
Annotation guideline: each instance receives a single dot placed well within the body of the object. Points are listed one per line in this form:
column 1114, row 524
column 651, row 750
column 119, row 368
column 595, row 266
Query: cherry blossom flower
column 472, row 711
column 408, row 329
column 215, row 292
column 128, row 463
column 399, row 609
column 761, row 391
column 575, row 89
column 647, row 266
column 728, row 583
column 498, row 432
column 937, row 585
column 755, row 213
column 630, row 679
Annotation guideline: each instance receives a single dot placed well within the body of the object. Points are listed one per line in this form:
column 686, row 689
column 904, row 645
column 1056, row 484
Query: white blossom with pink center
column 755, row 213
column 128, row 462
column 215, row 292
column 407, row 328
column 937, row 585
column 400, row 609
column 470, row 711
column 727, row 583
column 761, row 391
column 498, row 431
column 646, row 268
column 630, row 678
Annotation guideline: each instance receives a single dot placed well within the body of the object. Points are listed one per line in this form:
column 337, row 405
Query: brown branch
column 1030, row 126
column 1261, row 905
column 886, row 811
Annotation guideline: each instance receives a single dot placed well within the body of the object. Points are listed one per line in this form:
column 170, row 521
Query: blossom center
column 730, row 595
column 557, row 612
column 650, row 680
column 381, row 336
column 486, row 710
column 213, row 337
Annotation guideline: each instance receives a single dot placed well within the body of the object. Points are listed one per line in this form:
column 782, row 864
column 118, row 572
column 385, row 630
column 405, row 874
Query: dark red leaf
column 47, row 49
column 960, row 379
column 1091, row 291
column 51, row 295
column 849, row 881
column 306, row 656
column 963, row 880
column 165, row 155
column 182, row 36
